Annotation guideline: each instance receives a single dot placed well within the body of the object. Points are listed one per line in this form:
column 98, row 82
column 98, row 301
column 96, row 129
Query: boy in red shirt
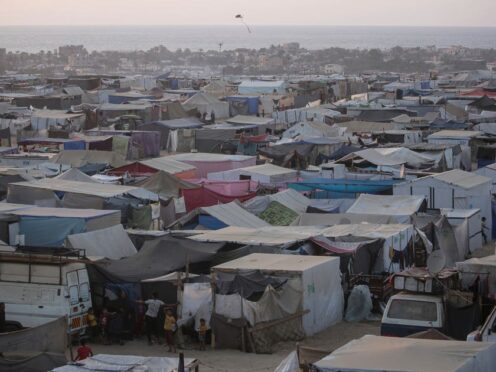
column 83, row 351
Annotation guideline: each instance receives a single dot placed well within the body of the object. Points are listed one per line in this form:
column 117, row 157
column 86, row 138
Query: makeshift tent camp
column 75, row 174
column 48, row 227
column 316, row 287
column 342, row 188
column 289, row 198
column 489, row 171
column 266, row 174
column 262, row 86
column 173, row 133
column 111, row 242
column 376, row 353
column 213, row 193
column 397, row 238
column 207, row 163
column 206, row 103
column 331, row 219
column 484, row 269
column 268, row 236
column 151, row 166
column 70, row 194
column 309, row 129
column 79, row 158
column 400, row 207
column 156, row 258
column 455, row 189
column 388, row 157
column 165, row 185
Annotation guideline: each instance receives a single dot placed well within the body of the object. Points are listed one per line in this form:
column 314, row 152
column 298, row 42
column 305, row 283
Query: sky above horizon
column 477, row 13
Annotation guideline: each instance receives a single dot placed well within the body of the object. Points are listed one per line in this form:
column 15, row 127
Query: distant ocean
column 36, row 38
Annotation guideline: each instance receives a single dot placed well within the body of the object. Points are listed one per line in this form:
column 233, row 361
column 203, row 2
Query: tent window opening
column 413, row 310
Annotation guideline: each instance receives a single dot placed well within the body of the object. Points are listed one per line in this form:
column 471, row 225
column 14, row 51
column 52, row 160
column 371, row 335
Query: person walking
column 170, row 327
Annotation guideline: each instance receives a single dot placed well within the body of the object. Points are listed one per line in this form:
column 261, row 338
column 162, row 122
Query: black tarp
column 246, row 283
column 357, row 256
column 157, row 258
column 287, row 154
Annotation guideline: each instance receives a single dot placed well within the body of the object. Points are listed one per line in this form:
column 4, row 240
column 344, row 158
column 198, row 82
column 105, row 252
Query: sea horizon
column 34, row 38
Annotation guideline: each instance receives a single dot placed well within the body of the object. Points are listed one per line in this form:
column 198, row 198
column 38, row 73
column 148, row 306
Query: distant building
column 3, row 62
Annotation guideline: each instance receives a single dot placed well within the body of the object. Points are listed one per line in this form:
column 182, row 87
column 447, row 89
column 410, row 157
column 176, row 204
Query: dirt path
column 233, row 360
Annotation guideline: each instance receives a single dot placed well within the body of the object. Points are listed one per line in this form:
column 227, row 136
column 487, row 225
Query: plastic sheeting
column 393, row 156
column 483, row 268
column 128, row 363
column 48, row 337
column 376, row 353
column 112, row 242
column 196, row 303
column 205, row 197
column 32, row 362
column 49, row 232
column 289, row 364
column 359, row 304
column 157, row 258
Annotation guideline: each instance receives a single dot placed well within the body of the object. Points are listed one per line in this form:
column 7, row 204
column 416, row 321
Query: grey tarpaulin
column 49, row 337
column 158, row 257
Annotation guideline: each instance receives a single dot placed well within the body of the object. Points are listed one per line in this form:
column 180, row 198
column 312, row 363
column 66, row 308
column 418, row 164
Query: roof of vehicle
column 416, row 297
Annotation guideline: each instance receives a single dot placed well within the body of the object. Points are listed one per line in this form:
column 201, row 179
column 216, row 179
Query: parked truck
column 38, row 288
column 429, row 302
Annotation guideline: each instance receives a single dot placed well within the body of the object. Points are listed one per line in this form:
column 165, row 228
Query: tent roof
column 75, row 174
column 249, row 120
column 268, row 170
column 209, row 157
column 10, row 207
column 62, row 212
column 79, row 158
column 270, row 236
column 112, row 242
column 234, row 215
column 168, row 165
column 165, row 184
column 181, row 123
column 366, row 230
column 366, row 126
column 77, row 187
column 291, row 199
column 461, row 178
column 202, row 98
column 393, row 205
column 56, row 114
column 455, row 134
column 378, row 353
column 390, row 156
column 274, row 262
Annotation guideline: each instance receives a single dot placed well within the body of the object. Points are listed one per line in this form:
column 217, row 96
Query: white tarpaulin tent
column 396, row 238
column 376, row 353
column 206, row 103
column 393, row 156
column 265, row 174
column 401, row 207
column 234, row 215
column 455, row 189
column 490, row 172
column 269, row 236
column 128, row 363
column 319, row 278
column 112, row 242
column 289, row 198
column 311, row 129
column 484, row 267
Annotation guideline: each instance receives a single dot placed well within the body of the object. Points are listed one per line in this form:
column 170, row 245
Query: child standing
column 202, row 333
column 169, row 328
column 92, row 323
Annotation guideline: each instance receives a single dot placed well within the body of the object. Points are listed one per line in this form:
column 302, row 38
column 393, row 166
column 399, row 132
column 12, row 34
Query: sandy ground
column 233, row 360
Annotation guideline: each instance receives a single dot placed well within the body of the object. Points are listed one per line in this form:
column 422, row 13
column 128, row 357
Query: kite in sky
column 240, row 17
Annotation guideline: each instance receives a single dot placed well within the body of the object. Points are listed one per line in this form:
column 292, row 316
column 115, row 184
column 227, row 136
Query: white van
column 37, row 289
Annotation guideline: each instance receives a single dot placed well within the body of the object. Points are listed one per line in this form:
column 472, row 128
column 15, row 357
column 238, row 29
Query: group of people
column 152, row 326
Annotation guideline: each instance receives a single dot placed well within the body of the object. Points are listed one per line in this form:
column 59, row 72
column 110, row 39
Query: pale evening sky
column 256, row 12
